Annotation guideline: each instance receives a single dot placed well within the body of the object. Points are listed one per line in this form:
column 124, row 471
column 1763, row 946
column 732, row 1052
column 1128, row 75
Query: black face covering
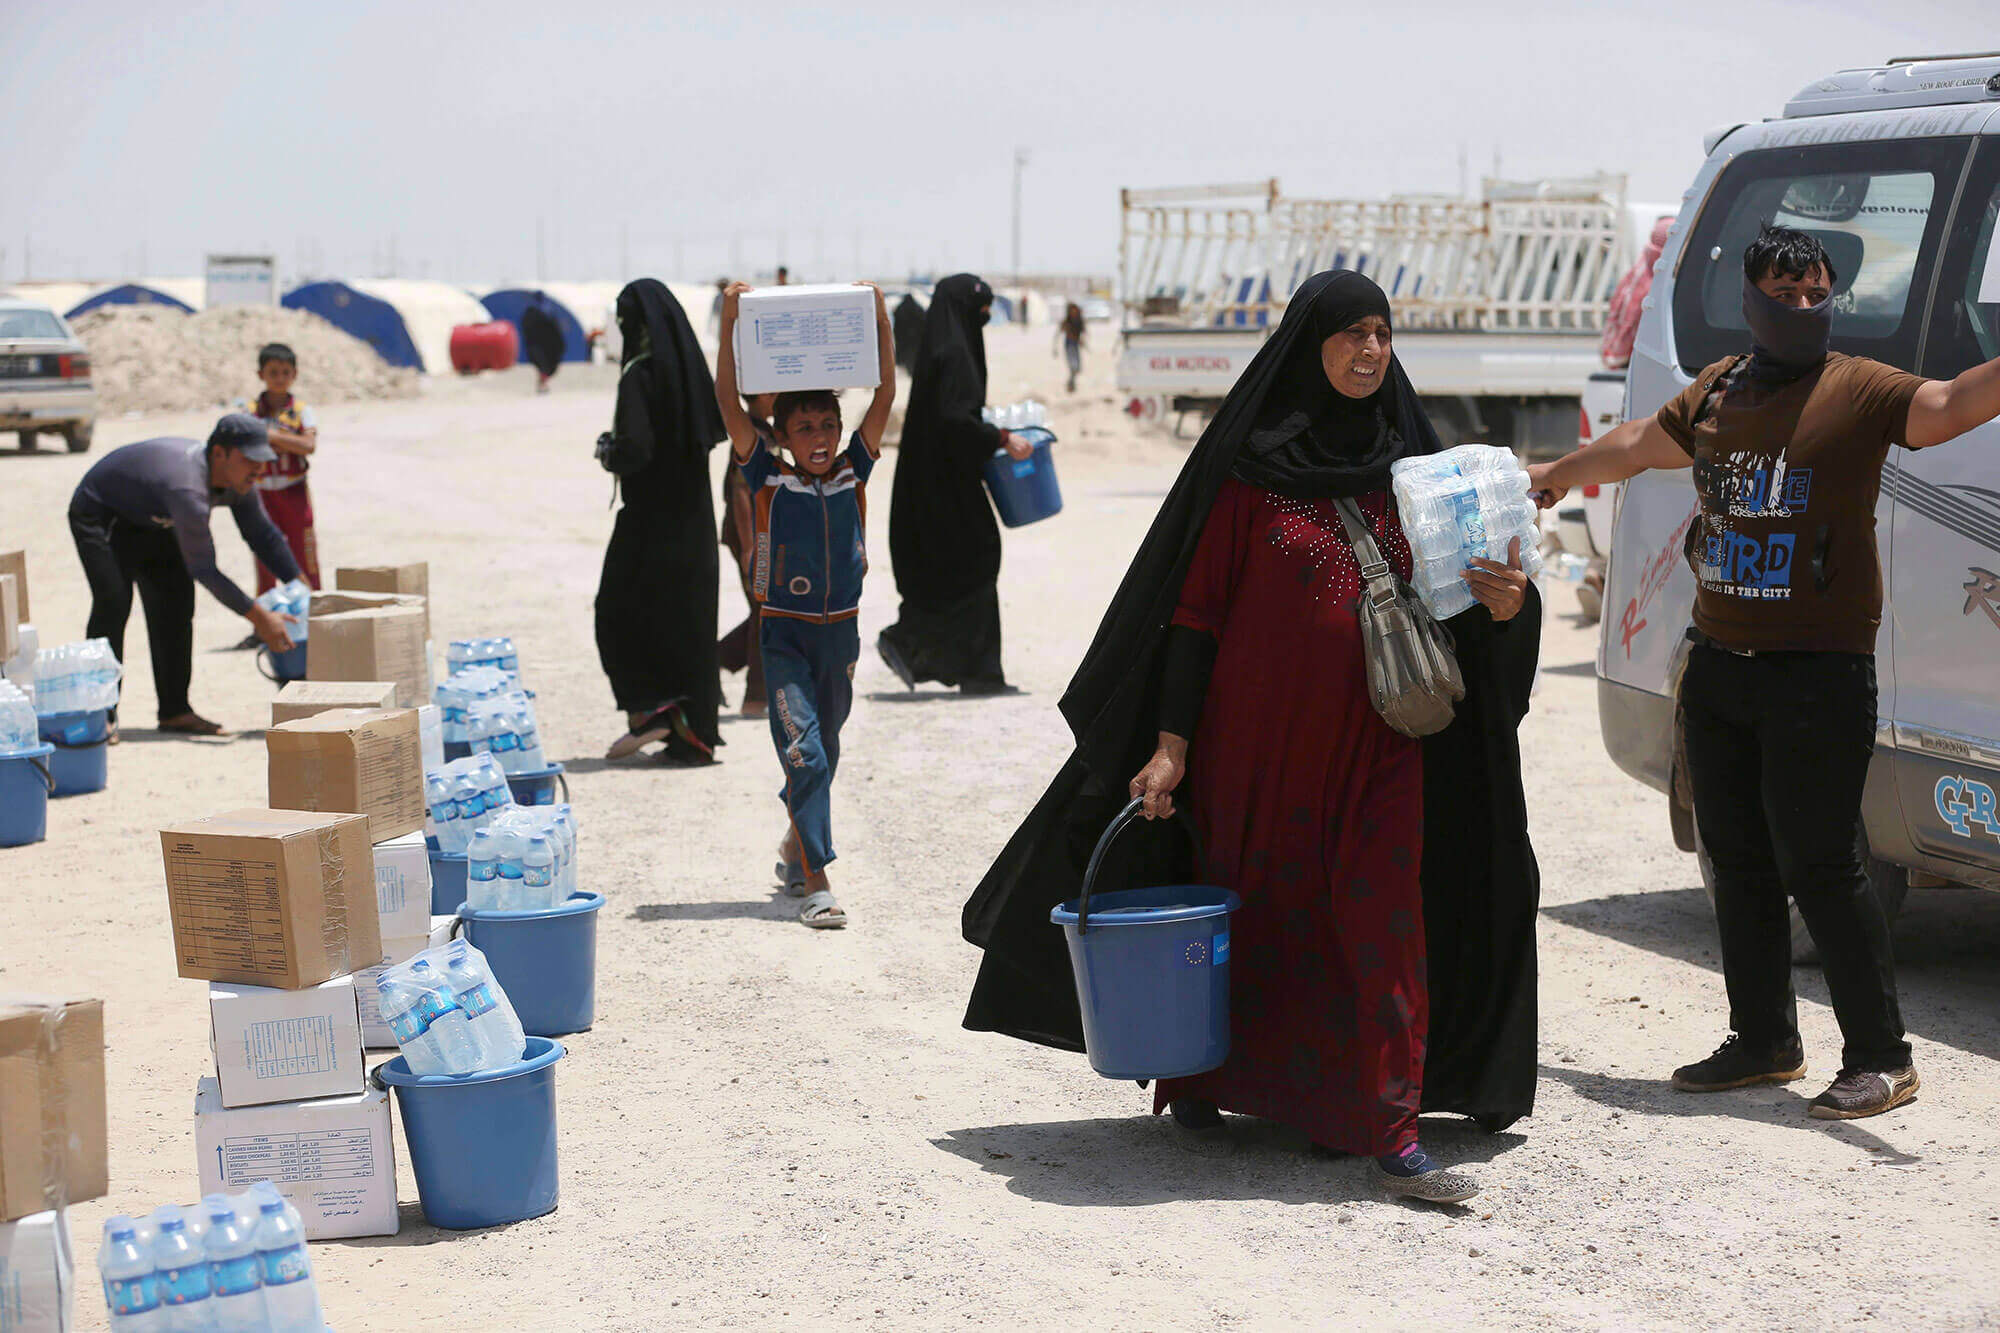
column 1786, row 342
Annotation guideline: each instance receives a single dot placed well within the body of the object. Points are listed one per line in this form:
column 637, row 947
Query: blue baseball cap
column 245, row 434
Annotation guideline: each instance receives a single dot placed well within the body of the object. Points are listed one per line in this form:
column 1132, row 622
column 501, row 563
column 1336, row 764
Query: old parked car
column 44, row 377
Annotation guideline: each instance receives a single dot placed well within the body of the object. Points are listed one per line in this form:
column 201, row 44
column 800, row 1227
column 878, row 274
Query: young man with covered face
column 1778, row 700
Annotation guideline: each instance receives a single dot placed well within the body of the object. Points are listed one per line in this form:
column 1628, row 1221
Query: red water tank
column 490, row 346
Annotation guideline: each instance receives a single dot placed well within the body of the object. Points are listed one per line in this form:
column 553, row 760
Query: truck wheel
column 27, row 438
column 77, row 438
column 1890, row 883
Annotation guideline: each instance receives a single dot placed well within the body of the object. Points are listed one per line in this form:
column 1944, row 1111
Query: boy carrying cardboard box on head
column 810, row 554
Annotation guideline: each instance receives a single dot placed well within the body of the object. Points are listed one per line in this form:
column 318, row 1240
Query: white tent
column 60, row 297
column 430, row 311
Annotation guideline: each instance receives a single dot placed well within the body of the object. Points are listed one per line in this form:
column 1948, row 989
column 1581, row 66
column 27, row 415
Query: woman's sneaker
column 1738, row 1064
column 1857, row 1093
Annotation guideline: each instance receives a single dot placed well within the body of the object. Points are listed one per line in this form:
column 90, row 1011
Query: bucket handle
column 41, row 766
column 375, row 1077
column 264, row 666
column 1119, row 825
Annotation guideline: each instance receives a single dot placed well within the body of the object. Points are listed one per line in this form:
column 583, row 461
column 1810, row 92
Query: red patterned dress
column 1311, row 809
column 283, row 490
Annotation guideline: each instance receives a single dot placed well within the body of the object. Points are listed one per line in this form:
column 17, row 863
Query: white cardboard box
column 403, row 886
column 285, row 1045
column 430, row 729
column 37, row 1274
column 332, row 1157
column 808, row 337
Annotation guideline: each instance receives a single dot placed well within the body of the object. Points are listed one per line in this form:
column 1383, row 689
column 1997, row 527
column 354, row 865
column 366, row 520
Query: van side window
column 1879, row 208
column 1965, row 322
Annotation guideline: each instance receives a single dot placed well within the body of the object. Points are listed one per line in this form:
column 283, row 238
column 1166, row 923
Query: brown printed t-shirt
column 1784, row 556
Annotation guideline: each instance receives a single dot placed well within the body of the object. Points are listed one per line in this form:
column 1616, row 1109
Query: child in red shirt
column 295, row 436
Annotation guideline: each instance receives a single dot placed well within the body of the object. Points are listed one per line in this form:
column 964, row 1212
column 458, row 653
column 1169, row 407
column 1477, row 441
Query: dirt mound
column 149, row 359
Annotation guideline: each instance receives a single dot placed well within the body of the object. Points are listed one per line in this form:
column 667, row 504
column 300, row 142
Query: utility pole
column 625, row 252
column 541, row 265
column 1020, row 160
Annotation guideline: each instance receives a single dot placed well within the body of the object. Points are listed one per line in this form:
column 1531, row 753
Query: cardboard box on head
column 272, row 897
column 809, row 337
column 52, row 1116
column 356, row 761
column 370, row 636
column 304, row 698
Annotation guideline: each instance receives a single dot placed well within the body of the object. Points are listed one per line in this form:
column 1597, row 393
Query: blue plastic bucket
column 285, row 667
column 25, row 784
column 546, row 961
column 538, row 788
column 1152, row 971
column 482, row 1146
column 447, row 881
column 81, row 762
column 1024, row 490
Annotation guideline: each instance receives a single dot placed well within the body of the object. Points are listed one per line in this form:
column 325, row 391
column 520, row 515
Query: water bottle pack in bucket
column 1465, row 502
column 76, row 685
column 522, row 860
column 1024, row 490
column 1151, row 968
column 26, row 780
column 464, row 796
column 292, row 603
column 233, row 1263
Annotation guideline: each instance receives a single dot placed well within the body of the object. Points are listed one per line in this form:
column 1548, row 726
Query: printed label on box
column 288, row 1047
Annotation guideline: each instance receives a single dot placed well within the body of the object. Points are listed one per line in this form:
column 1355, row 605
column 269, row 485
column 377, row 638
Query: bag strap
column 1378, row 573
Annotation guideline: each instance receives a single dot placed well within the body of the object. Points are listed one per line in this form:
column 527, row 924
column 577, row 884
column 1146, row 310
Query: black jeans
column 1778, row 747
column 116, row 556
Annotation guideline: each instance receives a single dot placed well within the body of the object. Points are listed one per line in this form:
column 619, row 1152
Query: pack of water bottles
column 1016, row 416
column 504, row 727
column 497, row 653
column 463, row 797
column 229, row 1264
column 523, row 861
column 293, row 602
column 457, row 693
column 17, row 720
column 1467, row 502
column 449, row 1014
column 76, row 677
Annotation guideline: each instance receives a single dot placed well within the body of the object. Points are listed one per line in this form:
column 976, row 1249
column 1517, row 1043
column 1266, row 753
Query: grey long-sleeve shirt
column 163, row 483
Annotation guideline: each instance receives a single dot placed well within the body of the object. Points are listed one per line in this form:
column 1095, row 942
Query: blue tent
column 508, row 302
column 128, row 293
column 368, row 318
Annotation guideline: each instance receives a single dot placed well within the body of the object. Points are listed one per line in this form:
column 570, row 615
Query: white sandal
column 820, row 912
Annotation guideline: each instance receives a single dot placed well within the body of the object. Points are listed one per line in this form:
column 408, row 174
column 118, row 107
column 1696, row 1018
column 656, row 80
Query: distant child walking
column 1071, row 333
column 808, row 516
column 294, row 437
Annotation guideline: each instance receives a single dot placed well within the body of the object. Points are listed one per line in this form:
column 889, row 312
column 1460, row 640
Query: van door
column 1943, row 615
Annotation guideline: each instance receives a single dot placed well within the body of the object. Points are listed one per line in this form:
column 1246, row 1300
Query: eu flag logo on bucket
column 1195, row 953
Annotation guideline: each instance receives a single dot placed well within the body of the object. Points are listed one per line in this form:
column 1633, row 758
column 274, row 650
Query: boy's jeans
column 809, row 678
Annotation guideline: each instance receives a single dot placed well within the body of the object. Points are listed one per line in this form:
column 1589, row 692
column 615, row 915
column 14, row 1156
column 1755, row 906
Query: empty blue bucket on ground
column 81, row 762
column 447, row 881
column 25, row 784
column 1024, row 490
column 285, row 667
column 1152, row 970
column 545, row 960
column 539, row 787
column 482, row 1146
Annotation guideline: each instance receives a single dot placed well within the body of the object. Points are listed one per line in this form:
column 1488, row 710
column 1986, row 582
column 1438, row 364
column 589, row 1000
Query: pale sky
column 350, row 136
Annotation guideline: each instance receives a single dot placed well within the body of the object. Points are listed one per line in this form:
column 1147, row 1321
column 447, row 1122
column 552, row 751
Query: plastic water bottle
column 291, row 1305
column 451, row 1025
column 494, row 1023
column 17, row 721
column 527, row 737
column 565, row 828
column 471, row 801
column 498, row 795
column 482, row 872
column 510, row 892
column 409, row 1010
column 131, row 1291
column 183, row 1277
column 538, row 873
column 442, row 812
column 235, row 1280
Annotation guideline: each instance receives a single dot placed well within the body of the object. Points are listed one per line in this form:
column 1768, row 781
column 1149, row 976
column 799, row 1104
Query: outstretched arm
column 1946, row 409
column 1635, row 447
column 876, row 419
column 742, row 434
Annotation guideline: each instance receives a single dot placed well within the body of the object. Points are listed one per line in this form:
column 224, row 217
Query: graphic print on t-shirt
column 1749, row 486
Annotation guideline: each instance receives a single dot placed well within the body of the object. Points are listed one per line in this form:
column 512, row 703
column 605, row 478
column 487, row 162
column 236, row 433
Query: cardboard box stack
column 354, row 760
column 278, row 910
column 407, row 580
column 52, row 1149
column 304, row 698
column 371, row 636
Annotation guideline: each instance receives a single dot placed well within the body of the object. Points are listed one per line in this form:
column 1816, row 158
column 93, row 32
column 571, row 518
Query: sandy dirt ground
column 771, row 1127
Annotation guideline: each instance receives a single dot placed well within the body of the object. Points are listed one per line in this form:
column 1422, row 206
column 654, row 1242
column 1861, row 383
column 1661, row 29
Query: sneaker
column 1427, row 1182
column 1864, row 1092
column 1737, row 1064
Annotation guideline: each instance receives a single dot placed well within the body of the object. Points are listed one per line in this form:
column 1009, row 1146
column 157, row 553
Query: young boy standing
column 294, row 437
column 808, row 515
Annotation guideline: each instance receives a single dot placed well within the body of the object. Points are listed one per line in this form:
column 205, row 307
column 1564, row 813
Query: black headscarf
column 681, row 396
column 952, row 361
column 541, row 336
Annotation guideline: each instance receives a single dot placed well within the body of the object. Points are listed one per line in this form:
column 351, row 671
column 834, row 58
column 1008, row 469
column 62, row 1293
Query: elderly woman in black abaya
column 656, row 601
column 943, row 539
column 1382, row 962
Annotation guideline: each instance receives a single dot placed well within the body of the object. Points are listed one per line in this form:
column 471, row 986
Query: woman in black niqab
column 1309, row 806
column 943, row 539
column 541, row 339
column 656, row 600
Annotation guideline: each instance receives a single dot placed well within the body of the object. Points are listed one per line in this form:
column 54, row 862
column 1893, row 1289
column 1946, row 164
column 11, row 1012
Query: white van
column 1897, row 170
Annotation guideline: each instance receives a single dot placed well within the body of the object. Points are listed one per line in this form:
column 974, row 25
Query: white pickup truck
column 1498, row 303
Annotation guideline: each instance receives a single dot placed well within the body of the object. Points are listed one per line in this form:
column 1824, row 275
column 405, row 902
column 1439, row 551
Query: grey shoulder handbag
column 1412, row 663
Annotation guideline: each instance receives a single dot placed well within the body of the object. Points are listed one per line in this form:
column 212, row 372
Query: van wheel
column 77, row 438
column 1891, row 884
column 27, row 439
